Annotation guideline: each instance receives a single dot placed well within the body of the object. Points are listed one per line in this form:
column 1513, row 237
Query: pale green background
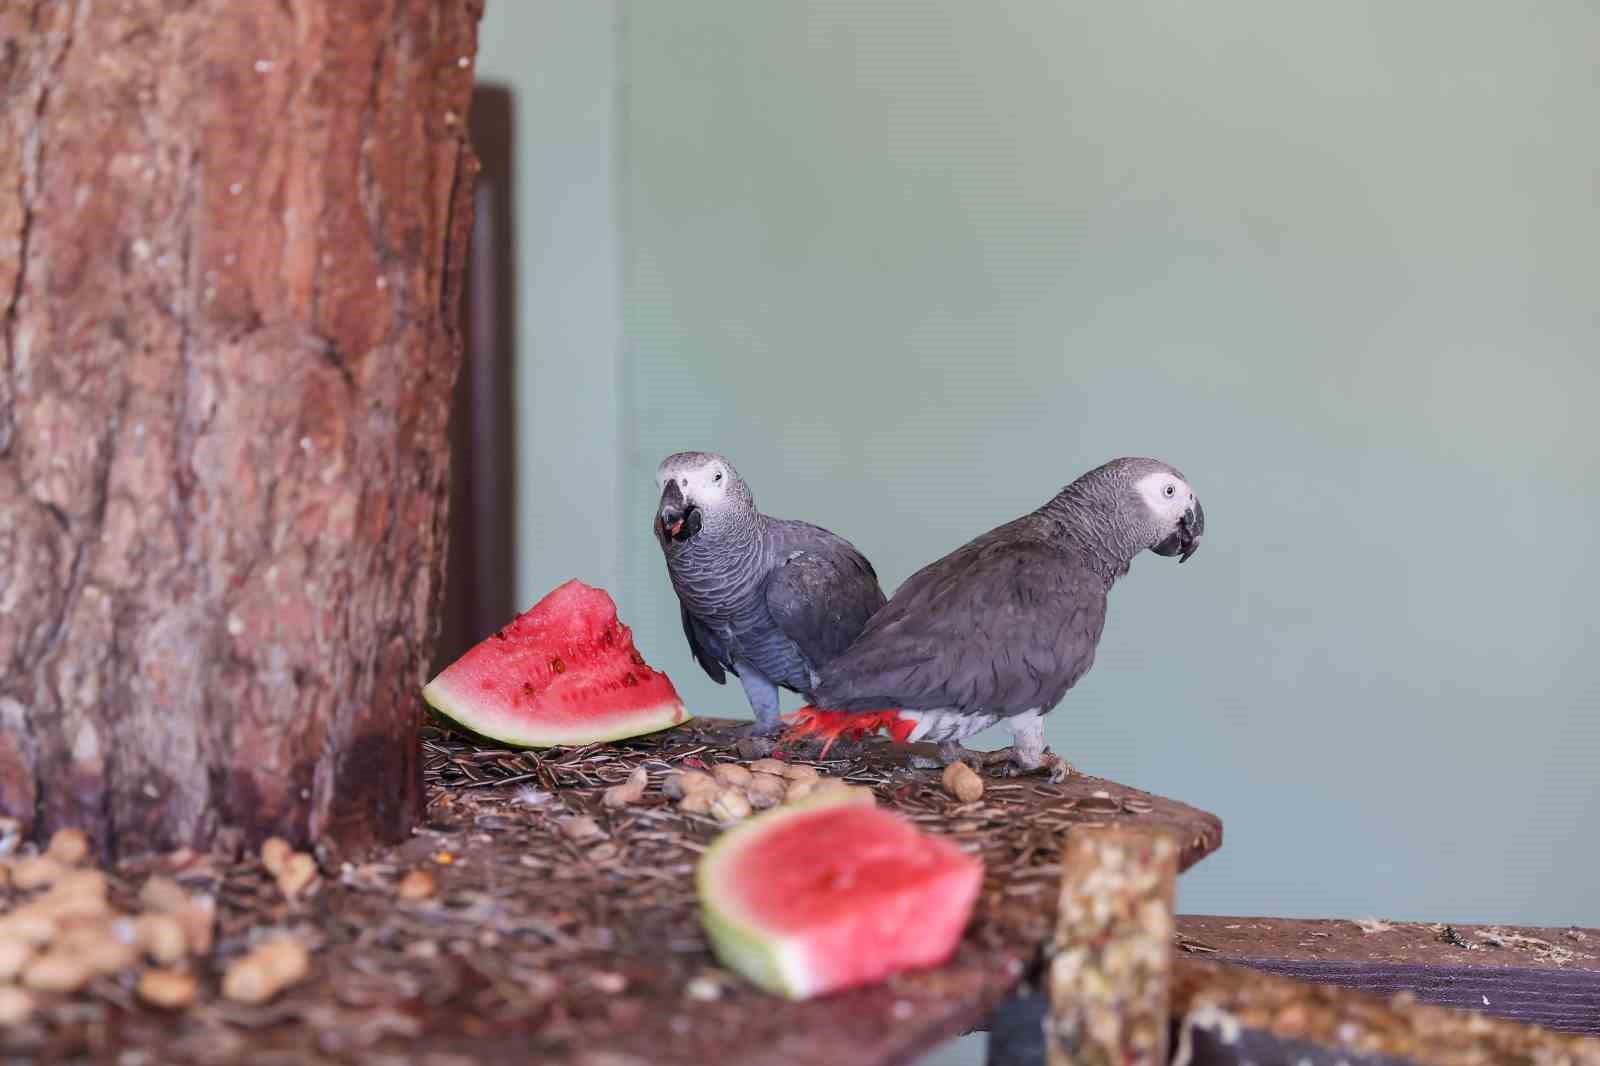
column 914, row 265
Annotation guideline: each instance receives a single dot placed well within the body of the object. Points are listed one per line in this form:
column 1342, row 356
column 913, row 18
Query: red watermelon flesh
column 563, row 672
column 815, row 897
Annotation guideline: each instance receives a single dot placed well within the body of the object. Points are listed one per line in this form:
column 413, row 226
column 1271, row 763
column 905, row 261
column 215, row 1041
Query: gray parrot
column 1002, row 627
column 770, row 599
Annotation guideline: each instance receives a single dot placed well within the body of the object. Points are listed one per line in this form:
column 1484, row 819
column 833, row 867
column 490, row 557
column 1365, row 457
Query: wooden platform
column 547, row 945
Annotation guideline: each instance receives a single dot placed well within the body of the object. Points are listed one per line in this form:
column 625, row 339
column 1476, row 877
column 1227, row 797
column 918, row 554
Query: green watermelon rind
column 504, row 728
column 738, row 941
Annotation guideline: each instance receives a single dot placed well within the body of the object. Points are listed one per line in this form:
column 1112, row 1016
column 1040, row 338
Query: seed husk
column 69, row 847
column 167, row 989
column 731, row 805
column 418, row 884
column 630, row 791
column 765, row 791
column 963, row 782
column 730, row 775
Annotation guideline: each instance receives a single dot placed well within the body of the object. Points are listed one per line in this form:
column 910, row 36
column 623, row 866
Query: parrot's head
column 1140, row 504
column 698, row 489
column 1174, row 519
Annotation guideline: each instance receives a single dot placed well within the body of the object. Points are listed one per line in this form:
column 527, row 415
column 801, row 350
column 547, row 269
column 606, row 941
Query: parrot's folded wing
column 1001, row 626
column 822, row 593
column 705, row 648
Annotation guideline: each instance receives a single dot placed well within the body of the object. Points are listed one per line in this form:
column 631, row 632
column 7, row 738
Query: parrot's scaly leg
column 1028, row 751
column 763, row 697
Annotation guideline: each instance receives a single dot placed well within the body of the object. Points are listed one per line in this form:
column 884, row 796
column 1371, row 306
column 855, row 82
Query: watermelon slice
column 822, row 895
column 563, row 672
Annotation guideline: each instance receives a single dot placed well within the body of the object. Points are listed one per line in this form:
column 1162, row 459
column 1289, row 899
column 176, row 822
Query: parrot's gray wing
column 705, row 647
column 1000, row 626
column 822, row 592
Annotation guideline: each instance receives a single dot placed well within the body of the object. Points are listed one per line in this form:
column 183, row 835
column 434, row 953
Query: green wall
column 913, row 266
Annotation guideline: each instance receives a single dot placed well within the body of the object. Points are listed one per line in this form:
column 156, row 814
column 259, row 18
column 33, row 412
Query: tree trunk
column 231, row 237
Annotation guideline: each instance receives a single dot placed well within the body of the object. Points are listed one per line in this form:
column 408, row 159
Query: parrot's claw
column 1054, row 767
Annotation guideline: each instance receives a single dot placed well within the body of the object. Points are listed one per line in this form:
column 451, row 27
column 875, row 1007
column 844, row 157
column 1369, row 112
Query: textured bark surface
column 230, row 245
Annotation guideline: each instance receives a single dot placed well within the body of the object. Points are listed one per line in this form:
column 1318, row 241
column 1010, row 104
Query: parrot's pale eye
column 717, row 476
column 1170, row 491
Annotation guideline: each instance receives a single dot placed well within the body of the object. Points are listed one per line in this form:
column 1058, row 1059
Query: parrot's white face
column 705, row 485
column 697, row 487
column 1179, row 520
column 1167, row 496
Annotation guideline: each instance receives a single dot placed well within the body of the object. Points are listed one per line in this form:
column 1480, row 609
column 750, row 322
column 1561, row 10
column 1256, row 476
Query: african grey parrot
column 770, row 599
column 1002, row 627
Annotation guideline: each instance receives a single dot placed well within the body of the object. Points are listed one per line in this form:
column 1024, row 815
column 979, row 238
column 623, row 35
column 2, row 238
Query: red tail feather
column 854, row 725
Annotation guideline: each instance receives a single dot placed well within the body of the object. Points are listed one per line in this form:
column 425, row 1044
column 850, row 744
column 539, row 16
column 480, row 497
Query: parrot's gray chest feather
column 773, row 601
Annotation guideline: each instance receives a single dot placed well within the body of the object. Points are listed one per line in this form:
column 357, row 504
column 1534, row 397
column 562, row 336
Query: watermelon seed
column 628, row 680
column 557, row 666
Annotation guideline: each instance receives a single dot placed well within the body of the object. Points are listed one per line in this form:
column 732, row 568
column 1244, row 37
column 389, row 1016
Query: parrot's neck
column 1089, row 523
column 718, row 571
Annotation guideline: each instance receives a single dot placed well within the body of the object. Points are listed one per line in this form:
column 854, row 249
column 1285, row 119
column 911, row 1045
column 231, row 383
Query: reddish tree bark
column 231, row 237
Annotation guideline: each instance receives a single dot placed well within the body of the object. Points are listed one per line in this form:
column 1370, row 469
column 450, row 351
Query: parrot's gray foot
column 1046, row 761
column 1012, row 761
column 1028, row 754
column 1059, row 768
column 952, row 751
column 752, row 748
column 844, row 748
column 949, row 751
column 1017, row 762
column 758, row 728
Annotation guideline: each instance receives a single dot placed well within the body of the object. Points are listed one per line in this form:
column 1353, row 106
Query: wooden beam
column 1229, row 1015
column 1545, row 976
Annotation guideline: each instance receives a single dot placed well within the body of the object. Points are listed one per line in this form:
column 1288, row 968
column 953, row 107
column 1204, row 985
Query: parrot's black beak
column 1185, row 540
column 676, row 518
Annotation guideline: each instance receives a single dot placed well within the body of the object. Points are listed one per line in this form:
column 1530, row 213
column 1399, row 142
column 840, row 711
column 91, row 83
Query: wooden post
column 1112, row 957
column 231, row 237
